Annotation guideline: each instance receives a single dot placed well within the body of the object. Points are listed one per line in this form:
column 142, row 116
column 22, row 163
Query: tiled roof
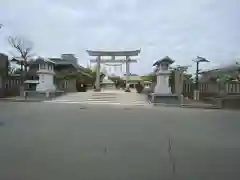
column 41, row 60
column 59, row 61
column 165, row 59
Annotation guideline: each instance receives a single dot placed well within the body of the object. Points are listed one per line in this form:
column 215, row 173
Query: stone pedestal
column 164, row 99
column 162, row 86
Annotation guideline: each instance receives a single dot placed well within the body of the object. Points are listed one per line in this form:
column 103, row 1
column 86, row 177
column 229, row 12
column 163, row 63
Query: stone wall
column 231, row 102
column 67, row 85
column 3, row 73
column 3, row 61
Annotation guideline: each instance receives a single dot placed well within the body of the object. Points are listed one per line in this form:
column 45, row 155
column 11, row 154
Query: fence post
column 196, row 95
column 25, row 94
column 181, row 99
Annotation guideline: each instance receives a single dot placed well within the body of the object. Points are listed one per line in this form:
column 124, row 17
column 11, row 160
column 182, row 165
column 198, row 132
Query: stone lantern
column 46, row 75
column 163, row 72
column 162, row 91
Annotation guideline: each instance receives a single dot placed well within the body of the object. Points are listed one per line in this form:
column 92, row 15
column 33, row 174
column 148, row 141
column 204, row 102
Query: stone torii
column 112, row 54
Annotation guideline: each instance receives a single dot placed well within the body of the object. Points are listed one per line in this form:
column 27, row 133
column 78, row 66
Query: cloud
column 179, row 29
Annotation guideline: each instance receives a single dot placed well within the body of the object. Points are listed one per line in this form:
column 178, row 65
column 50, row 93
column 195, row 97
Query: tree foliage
column 115, row 78
column 79, row 76
column 139, row 87
column 149, row 77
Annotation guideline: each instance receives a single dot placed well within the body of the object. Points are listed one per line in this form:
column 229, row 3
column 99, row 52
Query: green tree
column 115, row 78
column 149, row 77
column 79, row 76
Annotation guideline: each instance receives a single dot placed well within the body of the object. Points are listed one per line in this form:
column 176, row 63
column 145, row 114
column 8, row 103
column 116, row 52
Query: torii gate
column 112, row 54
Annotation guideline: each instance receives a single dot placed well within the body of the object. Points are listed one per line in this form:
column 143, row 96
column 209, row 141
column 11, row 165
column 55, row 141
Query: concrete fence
column 10, row 87
column 212, row 89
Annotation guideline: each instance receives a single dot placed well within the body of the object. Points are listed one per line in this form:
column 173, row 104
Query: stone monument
column 107, row 83
column 162, row 91
column 45, row 87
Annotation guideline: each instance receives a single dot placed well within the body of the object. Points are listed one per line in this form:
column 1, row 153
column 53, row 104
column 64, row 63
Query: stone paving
column 114, row 97
column 110, row 97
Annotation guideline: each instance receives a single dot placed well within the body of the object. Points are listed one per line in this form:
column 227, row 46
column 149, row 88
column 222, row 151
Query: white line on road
column 97, row 102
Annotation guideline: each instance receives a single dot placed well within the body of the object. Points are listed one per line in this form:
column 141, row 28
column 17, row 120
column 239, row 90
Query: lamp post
column 198, row 60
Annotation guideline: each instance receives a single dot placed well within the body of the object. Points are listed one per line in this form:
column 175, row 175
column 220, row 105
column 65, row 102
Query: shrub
column 139, row 87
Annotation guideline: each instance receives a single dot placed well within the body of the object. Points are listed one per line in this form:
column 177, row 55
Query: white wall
column 45, row 82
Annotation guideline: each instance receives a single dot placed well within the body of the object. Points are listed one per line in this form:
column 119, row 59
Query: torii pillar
column 98, row 73
column 128, row 60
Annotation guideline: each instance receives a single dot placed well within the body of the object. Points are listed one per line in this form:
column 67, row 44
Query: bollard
column 25, row 95
column 181, row 99
column 153, row 98
column 196, row 95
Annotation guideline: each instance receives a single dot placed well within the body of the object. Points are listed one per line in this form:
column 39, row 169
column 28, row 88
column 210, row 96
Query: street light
column 197, row 61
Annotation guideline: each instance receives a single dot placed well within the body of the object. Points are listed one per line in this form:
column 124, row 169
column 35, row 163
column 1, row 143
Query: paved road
column 40, row 141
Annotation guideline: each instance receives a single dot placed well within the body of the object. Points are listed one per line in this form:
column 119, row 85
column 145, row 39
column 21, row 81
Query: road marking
column 59, row 100
column 97, row 102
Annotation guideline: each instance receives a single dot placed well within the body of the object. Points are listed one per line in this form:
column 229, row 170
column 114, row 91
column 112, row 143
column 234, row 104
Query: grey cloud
column 180, row 29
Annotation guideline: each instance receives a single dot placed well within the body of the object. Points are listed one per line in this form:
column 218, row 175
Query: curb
column 20, row 100
column 166, row 105
column 187, row 106
column 200, row 106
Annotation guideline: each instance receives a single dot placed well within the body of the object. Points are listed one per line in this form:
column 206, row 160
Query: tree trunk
column 21, row 71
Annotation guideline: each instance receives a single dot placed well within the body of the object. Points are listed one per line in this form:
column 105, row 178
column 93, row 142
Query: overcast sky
column 181, row 29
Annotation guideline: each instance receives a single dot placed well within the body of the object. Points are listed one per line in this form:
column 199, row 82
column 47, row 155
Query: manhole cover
column 83, row 107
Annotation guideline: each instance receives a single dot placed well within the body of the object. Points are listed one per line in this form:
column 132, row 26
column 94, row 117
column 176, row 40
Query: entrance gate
column 112, row 54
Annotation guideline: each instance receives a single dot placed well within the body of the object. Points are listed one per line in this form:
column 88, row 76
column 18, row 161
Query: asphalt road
column 40, row 141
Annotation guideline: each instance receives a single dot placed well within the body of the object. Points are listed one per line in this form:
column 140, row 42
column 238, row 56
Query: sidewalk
column 21, row 99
